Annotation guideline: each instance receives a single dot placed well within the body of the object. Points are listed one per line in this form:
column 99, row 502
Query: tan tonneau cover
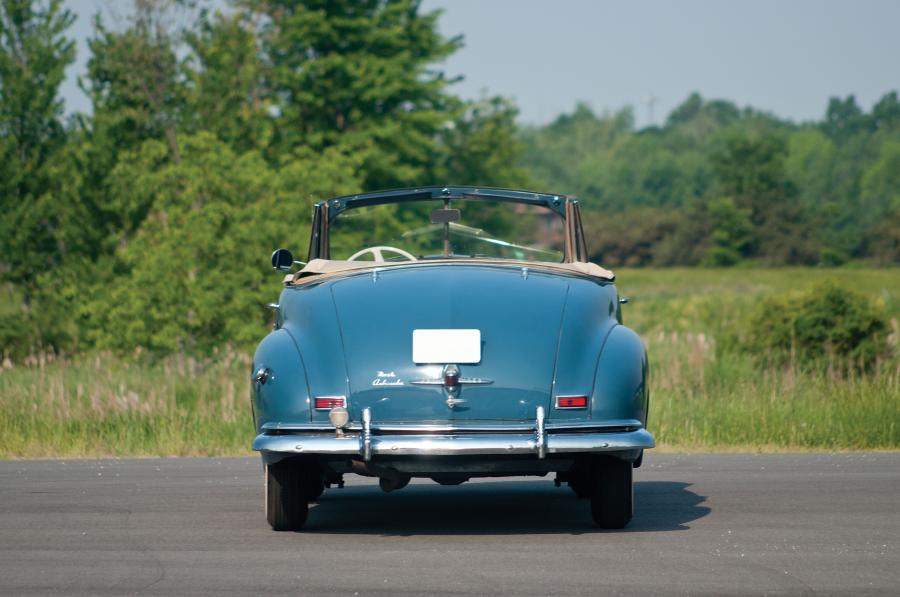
column 316, row 268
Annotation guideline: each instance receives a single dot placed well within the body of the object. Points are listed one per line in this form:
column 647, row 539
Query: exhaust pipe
column 389, row 479
column 392, row 484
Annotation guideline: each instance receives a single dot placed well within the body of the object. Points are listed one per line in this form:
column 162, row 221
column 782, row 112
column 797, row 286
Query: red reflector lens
column 571, row 401
column 329, row 402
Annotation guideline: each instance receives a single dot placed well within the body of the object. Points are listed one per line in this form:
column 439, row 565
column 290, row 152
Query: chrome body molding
column 458, row 444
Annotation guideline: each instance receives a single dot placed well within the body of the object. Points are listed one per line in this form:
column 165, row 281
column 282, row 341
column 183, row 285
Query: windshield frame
column 565, row 206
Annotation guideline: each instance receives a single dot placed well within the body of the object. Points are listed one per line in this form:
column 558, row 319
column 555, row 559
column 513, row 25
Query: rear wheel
column 639, row 461
column 313, row 483
column 582, row 484
column 286, row 507
column 612, row 502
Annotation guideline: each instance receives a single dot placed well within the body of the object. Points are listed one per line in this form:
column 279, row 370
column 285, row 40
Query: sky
column 782, row 56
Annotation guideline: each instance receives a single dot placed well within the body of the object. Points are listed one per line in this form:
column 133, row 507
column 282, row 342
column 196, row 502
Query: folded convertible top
column 323, row 267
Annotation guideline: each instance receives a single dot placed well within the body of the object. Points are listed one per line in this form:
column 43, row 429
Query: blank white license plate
column 446, row 346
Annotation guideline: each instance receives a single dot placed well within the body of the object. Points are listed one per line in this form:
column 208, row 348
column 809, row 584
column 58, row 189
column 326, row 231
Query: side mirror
column 282, row 260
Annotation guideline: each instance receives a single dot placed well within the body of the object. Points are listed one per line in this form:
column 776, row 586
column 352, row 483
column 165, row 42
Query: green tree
column 228, row 81
column 195, row 275
column 886, row 112
column 359, row 76
column 573, row 154
column 880, row 202
column 634, row 238
column 750, row 168
column 880, row 184
column 481, row 146
column 883, row 239
column 138, row 89
column 730, row 232
column 844, row 118
column 34, row 53
column 810, row 161
column 134, row 77
column 698, row 117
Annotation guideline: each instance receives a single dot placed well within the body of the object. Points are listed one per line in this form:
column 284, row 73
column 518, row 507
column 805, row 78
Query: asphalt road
column 704, row 524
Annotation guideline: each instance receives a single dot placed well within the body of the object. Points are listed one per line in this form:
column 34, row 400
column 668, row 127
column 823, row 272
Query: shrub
column 827, row 326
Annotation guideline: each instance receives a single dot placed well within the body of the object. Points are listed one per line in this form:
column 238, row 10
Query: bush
column 15, row 336
column 827, row 326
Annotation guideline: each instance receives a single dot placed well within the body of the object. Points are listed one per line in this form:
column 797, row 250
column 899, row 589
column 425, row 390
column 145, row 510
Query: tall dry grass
column 108, row 405
column 704, row 398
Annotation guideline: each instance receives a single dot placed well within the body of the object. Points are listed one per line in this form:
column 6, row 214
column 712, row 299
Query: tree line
column 147, row 221
column 718, row 185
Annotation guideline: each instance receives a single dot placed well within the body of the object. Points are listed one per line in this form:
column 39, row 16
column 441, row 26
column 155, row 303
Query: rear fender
column 284, row 396
column 620, row 386
column 588, row 319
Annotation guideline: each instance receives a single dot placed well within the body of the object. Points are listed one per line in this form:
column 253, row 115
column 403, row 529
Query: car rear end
column 537, row 376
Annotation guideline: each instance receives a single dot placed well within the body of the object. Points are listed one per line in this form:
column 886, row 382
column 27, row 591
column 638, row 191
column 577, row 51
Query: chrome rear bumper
column 370, row 441
column 454, row 445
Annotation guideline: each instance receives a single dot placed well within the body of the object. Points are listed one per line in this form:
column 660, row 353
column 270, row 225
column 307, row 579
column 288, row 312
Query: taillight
column 329, row 402
column 571, row 402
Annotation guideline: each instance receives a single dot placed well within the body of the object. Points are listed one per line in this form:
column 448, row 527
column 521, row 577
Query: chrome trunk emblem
column 451, row 380
column 451, row 375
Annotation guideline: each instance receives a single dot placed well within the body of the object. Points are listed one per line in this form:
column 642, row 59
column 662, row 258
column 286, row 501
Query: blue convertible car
column 448, row 333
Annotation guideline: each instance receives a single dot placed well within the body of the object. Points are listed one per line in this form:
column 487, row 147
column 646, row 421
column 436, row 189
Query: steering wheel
column 376, row 253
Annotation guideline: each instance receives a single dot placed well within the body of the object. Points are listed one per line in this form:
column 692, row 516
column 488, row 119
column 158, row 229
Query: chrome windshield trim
column 553, row 201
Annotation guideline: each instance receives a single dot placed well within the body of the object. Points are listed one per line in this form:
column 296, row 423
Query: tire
column 313, row 483
column 314, row 490
column 639, row 461
column 582, row 485
column 612, row 504
column 286, row 507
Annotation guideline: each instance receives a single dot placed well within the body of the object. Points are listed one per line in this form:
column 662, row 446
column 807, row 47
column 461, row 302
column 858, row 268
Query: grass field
column 705, row 392
column 708, row 394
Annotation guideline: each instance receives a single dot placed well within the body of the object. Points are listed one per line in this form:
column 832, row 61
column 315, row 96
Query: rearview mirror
column 444, row 216
column 282, row 260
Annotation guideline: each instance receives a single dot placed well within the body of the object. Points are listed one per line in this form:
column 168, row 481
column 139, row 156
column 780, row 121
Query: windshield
column 481, row 229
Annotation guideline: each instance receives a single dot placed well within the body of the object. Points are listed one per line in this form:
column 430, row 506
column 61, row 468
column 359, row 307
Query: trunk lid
column 519, row 317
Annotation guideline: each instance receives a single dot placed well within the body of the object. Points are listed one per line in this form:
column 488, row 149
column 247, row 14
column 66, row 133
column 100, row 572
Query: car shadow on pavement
column 494, row 507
